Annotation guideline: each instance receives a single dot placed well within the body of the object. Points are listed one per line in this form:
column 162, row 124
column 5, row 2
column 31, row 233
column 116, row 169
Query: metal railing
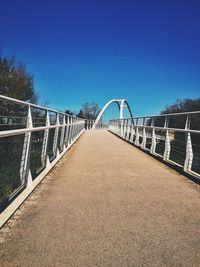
column 173, row 137
column 89, row 125
column 32, row 139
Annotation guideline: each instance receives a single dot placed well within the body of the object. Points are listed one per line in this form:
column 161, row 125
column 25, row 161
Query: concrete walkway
column 106, row 204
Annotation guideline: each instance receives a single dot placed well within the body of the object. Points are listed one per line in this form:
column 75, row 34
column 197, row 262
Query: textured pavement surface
column 106, row 203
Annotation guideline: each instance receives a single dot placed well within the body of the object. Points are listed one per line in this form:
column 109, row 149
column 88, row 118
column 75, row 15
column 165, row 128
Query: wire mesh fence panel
column 51, row 152
column 160, row 147
column 70, row 133
column 140, row 121
column 52, row 118
column 147, row 121
column 61, row 133
column 60, row 147
column 61, row 118
column 134, row 121
column 12, row 116
column 66, row 135
column 140, row 131
column 195, row 122
column 148, row 138
column 38, row 117
column 177, row 121
column 159, row 121
column 178, row 147
column 196, row 152
column 36, row 164
column 129, row 134
column 160, row 142
column 11, row 149
column 148, row 143
column 140, row 140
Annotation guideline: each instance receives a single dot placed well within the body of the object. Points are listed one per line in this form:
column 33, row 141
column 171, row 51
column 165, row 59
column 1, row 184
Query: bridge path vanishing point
column 106, row 204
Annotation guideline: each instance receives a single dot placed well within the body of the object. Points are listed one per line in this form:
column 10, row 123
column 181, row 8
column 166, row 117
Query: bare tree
column 89, row 111
column 15, row 81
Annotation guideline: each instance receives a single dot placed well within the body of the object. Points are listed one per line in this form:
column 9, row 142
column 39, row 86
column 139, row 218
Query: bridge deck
column 106, row 204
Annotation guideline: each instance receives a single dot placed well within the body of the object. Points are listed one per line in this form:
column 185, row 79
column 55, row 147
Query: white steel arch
column 120, row 103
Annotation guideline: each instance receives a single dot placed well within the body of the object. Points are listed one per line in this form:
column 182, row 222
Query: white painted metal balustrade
column 173, row 137
column 32, row 140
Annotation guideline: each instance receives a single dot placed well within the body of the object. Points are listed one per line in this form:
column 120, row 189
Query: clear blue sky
column 145, row 51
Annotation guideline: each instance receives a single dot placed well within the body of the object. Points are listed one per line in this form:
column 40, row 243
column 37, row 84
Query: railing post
column 74, row 135
column 121, row 127
column 67, row 133
column 137, row 133
column 25, row 174
column 132, row 132
column 189, row 154
column 55, row 142
column 144, row 138
column 153, row 138
column 44, row 153
column 166, row 153
column 62, row 133
column 77, row 127
column 76, row 132
column 167, row 146
column 189, row 150
column 72, row 129
column 82, row 125
column 124, row 128
column 127, row 130
column 118, row 127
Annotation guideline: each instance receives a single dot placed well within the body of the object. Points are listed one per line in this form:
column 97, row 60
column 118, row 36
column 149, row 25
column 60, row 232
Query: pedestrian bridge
column 106, row 202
